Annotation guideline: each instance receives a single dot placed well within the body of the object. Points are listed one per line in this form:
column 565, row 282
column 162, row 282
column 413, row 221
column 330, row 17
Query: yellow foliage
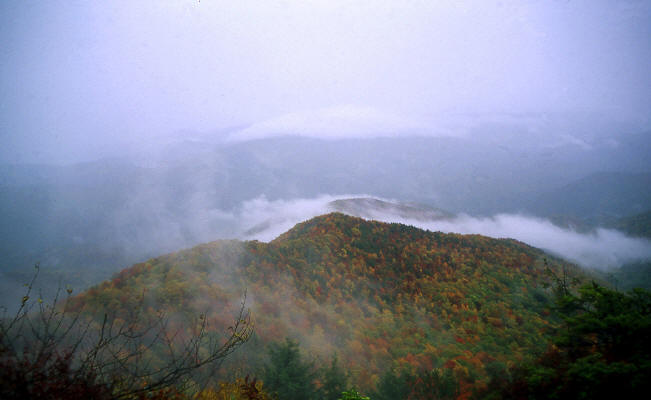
column 241, row 389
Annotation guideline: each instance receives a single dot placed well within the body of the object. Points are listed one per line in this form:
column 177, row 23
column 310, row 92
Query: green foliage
column 602, row 350
column 436, row 384
column 636, row 274
column 393, row 386
column 334, row 380
column 615, row 324
column 287, row 375
column 353, row 394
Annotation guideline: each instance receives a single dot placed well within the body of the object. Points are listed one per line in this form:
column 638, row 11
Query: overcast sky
column 81, row 79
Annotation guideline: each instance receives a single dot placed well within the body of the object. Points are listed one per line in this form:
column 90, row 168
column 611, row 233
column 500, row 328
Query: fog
column 131, row 129
column 602, row 248
column 84, row 80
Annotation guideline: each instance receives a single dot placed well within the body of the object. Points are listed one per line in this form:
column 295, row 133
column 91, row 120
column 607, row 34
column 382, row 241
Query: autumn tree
column 240, row 389
column 58, row 350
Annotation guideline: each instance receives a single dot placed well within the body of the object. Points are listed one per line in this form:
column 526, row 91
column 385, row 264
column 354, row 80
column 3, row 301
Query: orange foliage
column 383, row 293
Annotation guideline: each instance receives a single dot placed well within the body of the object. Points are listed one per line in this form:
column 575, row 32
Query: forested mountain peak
column 338, row 229
column 380, row 295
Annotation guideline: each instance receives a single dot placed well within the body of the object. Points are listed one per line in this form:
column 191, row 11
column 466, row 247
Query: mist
column 133, row 129
column 601, row 249
column 160, row 149
column 85, row 80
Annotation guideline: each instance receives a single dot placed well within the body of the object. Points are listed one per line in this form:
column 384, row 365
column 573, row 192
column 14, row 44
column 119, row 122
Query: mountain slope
column 598, row 198
column 635, row 225
column 89, row 218
column 379, row 295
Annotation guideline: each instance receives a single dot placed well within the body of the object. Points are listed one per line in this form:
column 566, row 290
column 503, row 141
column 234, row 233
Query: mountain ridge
column 379, row 295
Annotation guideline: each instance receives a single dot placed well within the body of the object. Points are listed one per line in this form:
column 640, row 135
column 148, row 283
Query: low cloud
column 343, row 121
column 600, row 249
column 264, row 220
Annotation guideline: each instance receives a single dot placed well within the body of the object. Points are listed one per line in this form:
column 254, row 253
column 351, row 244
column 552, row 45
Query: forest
column 325, row 199
column 336, row 308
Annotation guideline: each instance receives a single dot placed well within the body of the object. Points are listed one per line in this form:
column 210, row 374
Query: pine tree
column 287, row 375
column 334, row 380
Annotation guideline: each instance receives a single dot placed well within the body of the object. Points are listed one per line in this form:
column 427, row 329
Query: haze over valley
column 390, row 166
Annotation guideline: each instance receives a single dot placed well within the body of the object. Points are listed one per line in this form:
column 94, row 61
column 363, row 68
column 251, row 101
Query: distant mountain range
column 363, row 207
column 91, row 219
column 599, row 198
column 370, row 208
column 635, row 225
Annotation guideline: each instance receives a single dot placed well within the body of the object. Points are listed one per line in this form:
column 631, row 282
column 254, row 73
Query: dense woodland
column 341, row 307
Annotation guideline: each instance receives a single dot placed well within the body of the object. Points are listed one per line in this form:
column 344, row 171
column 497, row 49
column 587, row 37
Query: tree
column 601, row 350
column 435, row 384
column 287, row 375
column 353, row 394
column 240, row 389
column 393, row 386
column 334, row 380
column 55, row 351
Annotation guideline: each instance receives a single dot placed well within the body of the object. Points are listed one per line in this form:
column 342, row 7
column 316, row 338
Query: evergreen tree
column 287, row 375
column 353, row 394
column 601, row 351
column 334, row 380
column 437, row 384
column 393, row 386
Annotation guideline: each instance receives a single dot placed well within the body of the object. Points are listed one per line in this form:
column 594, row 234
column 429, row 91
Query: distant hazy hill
column 634, row 274
column 363, row 207
column 370, row 208
column 378, row 294
column 635, row 225
column 90, row 219
column 598, row 198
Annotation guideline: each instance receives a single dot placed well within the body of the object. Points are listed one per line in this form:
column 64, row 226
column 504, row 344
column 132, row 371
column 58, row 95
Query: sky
column 86, row 79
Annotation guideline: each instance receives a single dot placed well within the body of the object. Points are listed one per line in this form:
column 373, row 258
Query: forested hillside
column 381, row 296
column 325, row 200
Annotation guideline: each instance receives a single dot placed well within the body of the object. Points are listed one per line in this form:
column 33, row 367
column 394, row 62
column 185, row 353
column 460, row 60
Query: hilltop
column 379, row 295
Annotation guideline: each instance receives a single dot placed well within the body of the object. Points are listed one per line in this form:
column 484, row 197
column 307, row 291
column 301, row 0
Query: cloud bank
column 604, row 248
column 337, row 122
column 82, row 80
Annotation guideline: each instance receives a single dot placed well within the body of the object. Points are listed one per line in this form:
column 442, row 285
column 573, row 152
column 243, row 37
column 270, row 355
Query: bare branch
column 133, row 355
